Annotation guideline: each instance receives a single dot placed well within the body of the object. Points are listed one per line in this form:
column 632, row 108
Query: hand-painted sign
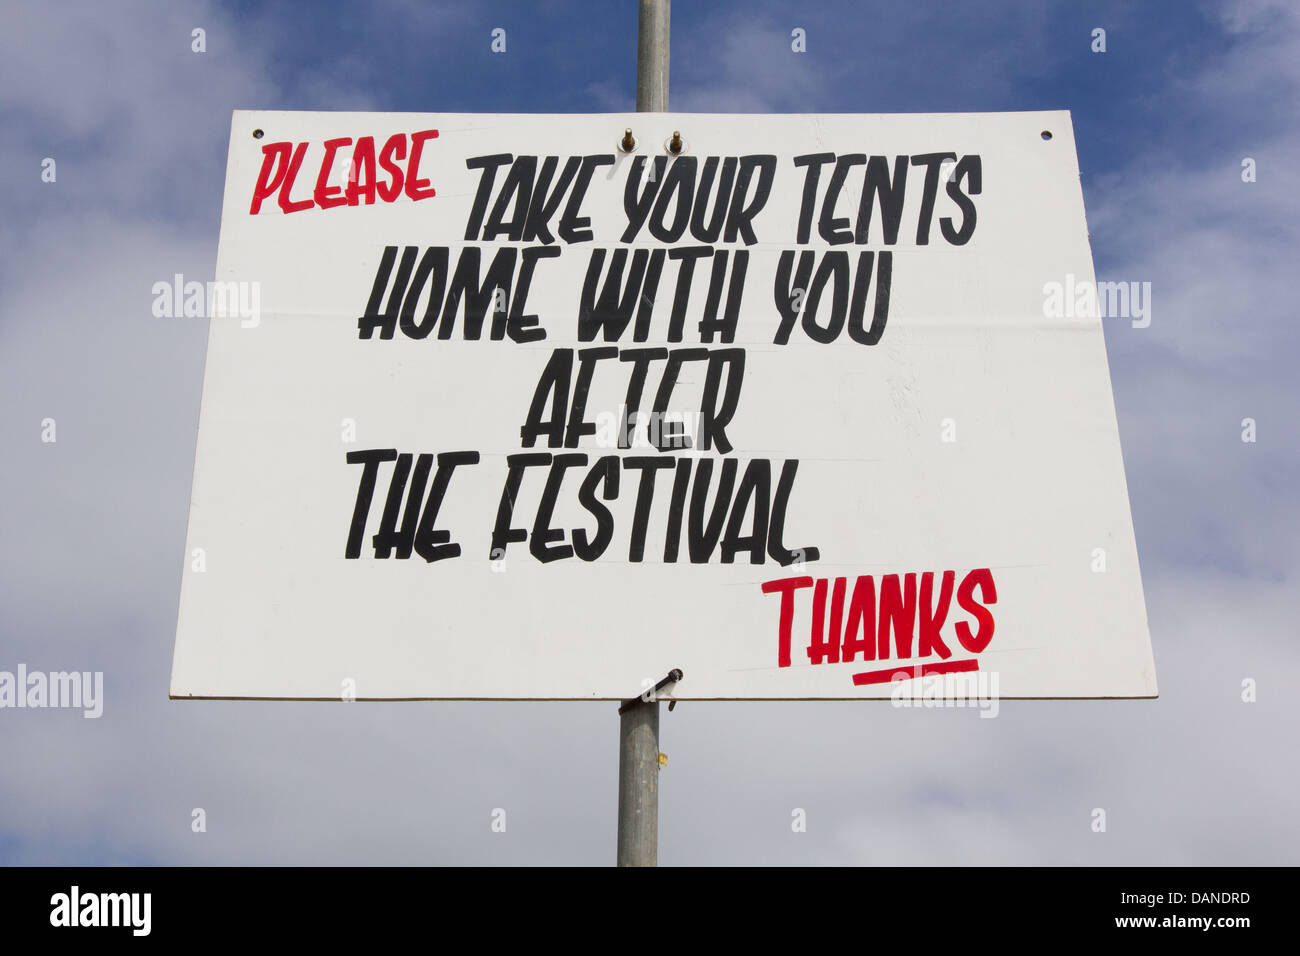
column 529, row 414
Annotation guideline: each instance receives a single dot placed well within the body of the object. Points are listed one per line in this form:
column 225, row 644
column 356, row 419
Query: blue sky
column 93, row 527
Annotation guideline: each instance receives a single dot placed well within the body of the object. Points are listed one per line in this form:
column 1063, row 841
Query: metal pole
column 652, row 56
column 638, row 776
column 638, row 784
column 638, row 720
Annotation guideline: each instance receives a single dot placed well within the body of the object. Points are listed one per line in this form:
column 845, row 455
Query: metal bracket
column 673, row 677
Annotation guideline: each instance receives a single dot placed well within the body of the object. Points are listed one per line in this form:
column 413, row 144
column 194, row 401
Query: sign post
column 527, row 407
column 638, row 719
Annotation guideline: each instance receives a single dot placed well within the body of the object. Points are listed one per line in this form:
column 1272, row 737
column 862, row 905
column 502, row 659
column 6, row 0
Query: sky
column 92, row 526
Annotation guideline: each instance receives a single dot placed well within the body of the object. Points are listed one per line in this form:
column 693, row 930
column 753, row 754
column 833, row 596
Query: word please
column 281, row 163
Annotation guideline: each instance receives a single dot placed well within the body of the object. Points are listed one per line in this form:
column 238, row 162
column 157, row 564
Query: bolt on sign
column 537, row 410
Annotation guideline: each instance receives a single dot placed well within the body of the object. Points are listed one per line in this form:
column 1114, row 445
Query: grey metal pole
column 638, row 784
column 638, row 720
column 638, row 775
column 652, row 56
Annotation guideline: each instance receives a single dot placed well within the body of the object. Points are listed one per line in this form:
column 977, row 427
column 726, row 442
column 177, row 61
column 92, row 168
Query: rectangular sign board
column 519, row 407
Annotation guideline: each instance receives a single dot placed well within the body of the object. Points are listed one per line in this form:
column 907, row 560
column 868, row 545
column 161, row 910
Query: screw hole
column 1046, row 134
column 258, row 134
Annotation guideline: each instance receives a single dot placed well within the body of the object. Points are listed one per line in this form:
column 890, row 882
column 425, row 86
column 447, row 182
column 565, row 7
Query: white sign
column 502, row 409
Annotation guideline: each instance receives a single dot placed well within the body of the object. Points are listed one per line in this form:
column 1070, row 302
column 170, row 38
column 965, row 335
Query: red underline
column 942, row 667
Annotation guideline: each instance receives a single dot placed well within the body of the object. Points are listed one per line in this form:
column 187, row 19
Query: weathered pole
column 638, row 783
column 652, row 57
column 638, row 719
column 638, row 775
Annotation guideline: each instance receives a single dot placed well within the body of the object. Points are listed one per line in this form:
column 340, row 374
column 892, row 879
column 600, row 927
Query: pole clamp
column 673, row 677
